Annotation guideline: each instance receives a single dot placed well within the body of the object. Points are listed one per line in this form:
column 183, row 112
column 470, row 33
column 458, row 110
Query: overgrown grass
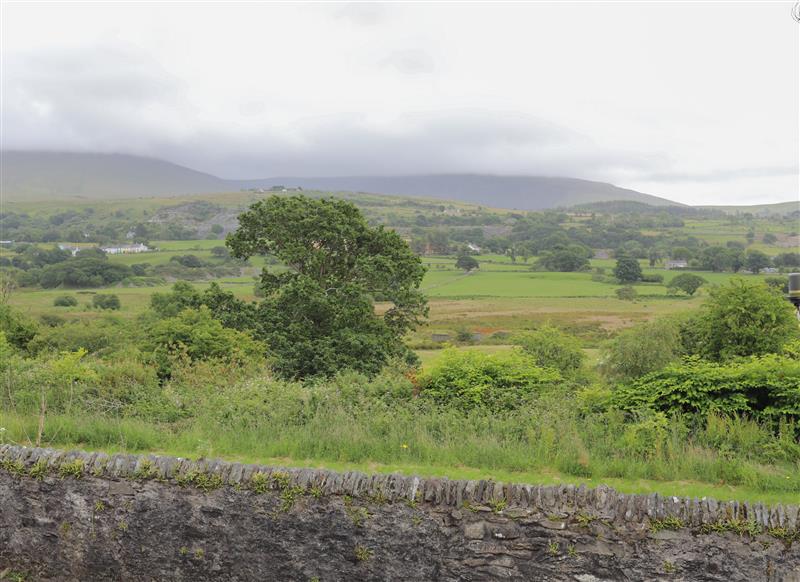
column 376, row 426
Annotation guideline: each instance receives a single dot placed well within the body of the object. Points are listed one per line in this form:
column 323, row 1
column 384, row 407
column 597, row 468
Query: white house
column 127, row 249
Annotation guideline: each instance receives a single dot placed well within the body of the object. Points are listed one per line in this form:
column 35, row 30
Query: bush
column 626, row 293
column 642, row 349
column 552, row 348
column 18, row 329
column 765, row 387
column 101, row 301
column 743, row 318
column 196, row 335
column 653, row 278
column 468, row 379
column 65, row 301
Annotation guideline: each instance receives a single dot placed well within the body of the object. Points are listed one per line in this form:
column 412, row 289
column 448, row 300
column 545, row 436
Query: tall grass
column 353, row 420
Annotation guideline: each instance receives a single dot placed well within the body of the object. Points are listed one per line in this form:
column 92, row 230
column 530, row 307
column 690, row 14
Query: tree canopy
column 318, row 316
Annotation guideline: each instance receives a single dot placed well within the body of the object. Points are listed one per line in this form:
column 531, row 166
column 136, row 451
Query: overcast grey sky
column 697, row 102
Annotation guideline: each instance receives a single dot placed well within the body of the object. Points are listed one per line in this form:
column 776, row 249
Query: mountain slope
column 43, row 175
column 522, row 192
column 46, row 175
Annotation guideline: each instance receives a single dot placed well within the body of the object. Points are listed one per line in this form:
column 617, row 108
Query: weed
column 362, row 553
column 16, row 468
column 122, row 526
column 315, row 492
column 289, row 496
column 65, row 528
column 552, row 548
column 280, row 479
column 259, row 483
column 199, row 553
column 72, row 469
column 669, row 567
column 147, row 470
column 183, row 551
column 38, row 470
column 671, row 523
column 99, row 506
column 584, row 519
column 739, row 526
column 358, row 515
column 497, row 505
column 416, row 520
column 571, row 551
column 204, row 481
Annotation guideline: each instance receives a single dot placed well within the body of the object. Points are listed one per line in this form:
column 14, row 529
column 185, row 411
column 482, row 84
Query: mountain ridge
column 32, row 175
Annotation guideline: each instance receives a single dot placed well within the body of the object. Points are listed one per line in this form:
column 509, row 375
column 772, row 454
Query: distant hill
column 760, row 209
column 45, row 175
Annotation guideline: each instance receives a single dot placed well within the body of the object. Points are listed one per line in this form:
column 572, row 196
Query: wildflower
column 404, row 446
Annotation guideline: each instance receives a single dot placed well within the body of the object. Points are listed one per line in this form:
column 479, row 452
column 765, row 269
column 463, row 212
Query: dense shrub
column 552, row 348
column 469, row 379
column 765, row 387
column 101, row 301
column 652, row 278
column 196, row 335
column 65, row 301
column 642, row 349
column 626, row 293
column 17, row 328
column 742, row 318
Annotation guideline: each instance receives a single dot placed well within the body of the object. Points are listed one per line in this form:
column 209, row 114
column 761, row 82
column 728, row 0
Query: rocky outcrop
column 90, row 516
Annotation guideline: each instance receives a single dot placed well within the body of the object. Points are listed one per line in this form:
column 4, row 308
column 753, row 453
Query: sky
column 696, row 102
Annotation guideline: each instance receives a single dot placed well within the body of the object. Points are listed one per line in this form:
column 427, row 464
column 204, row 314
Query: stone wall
column 90, row 516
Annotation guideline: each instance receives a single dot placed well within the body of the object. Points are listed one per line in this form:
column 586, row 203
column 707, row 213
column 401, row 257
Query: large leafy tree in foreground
column 318, row 316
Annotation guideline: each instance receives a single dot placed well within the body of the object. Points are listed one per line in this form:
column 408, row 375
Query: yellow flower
column 404, row 446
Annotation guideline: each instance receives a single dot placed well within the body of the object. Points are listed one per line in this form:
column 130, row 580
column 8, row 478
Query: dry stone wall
column 90, row 516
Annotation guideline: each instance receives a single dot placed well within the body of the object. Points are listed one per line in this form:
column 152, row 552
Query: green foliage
column 101, row 301
column 318, row 316
column 626, row 293
column 503, row 381
column 743, row 318
column 766, row 387
column 641, row 349
column 466, row 263
column 756, row 260
column 689, row 283
column 552, row 348
column 565, row 260
column 195, row 334
column 627, row 270
column 17, row 328
column 65, row 301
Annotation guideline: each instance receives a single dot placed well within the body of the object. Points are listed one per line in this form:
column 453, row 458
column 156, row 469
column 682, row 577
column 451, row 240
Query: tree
column 769, row 238
column 564, row 260
column 627, row 270
column 466, row 263
column 552, row 348
column 756, row 260
column 318, row 316
column 742, row 318
column 686, row 282
column 787, row 260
